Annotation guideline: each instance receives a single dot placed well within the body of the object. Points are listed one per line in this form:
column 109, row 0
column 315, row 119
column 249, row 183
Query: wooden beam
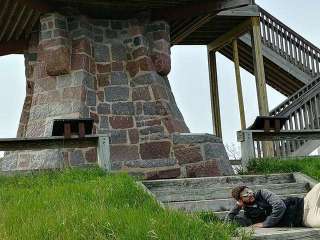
column 32, row 23
column 198, row 9
column 259, row 73
column 239, row 86
column 259, row 67
column 22, row 27
column 190, row 28
column 214, row 92
column 227, row 38
column 37, row 5
column 17, row 22
column 13, row 47
column 8, row 21
column 246, row 11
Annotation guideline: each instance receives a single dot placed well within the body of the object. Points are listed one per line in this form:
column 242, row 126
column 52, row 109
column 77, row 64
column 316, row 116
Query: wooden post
column 214, row 91
column 267, row 147
column 239, row 86
column 103, row 152
column 259, row 67
column 247, row 147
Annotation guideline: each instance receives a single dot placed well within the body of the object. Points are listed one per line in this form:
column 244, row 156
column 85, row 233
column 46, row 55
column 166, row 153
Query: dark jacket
column 270, row 210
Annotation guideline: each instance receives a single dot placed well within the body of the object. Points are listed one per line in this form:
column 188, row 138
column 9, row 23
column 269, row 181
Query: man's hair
column 235, row 193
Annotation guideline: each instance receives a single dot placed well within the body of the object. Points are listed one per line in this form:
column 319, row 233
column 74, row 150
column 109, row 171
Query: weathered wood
column 8, row 21
column 228, row 37
column 216, row 192
column 190, row 28
column 13, row 47
column 246, row 11
column 247, row 147
column 17, row 23
column 198, row 9
column 239, row 86
column 38, row 5
column 214, row 92
column 17, row 144
column 222, row 181
column 103, row 151
column 290, row 135
column 216, row 205
column 259, row 67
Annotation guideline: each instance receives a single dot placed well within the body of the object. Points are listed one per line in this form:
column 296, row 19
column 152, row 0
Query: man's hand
column 240, row 203
column 257, row 225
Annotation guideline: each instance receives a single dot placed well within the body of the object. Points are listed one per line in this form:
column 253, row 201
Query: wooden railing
column 249, row 138
column 303, row 112
column 289, row 44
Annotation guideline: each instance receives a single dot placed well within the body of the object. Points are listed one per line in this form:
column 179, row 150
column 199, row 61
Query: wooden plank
column 197, row 9
column 22, row 27
column 17, row 22
column 82, row 130
column 8, row 20
column 67, row 130
column 37, row 5
column 238, row 82
column 214, row 92
column 17, row 144
column 228, row 37
column 190, row 28
column 13, row 47
column 246, row 11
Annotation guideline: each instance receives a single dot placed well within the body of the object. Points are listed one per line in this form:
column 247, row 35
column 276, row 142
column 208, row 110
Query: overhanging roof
column 19, row 17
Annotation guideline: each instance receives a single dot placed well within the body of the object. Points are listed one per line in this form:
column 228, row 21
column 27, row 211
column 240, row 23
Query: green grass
column 308, row 165
column 88, row 204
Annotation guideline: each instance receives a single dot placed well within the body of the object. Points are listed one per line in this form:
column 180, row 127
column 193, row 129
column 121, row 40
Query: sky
column 189, row 78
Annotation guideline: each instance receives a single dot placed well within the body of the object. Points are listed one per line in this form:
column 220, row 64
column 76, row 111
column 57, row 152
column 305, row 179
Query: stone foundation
column 114, row 72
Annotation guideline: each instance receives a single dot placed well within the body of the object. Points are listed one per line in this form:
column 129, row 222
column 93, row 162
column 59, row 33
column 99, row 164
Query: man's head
column 243, row 194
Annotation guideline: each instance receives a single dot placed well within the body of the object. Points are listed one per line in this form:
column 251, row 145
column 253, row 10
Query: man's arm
column 278, row 208
column 233, row 213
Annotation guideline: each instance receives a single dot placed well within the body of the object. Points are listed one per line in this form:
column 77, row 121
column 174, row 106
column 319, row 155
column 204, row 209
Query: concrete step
column 210, row 182
column 193, row 194
column 216, row 205
column 286, row 233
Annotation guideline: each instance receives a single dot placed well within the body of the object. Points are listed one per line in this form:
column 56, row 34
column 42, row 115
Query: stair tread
column 188, row 194
column 216, row 205
column 220, row 181
column 285, row 233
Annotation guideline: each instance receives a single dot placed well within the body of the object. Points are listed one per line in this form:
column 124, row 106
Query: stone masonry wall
column 115, row 72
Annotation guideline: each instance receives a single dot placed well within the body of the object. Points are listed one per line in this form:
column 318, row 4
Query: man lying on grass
column 264, row 209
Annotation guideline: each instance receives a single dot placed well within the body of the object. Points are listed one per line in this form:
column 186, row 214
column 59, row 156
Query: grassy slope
column 87, row 204
column 309, row 166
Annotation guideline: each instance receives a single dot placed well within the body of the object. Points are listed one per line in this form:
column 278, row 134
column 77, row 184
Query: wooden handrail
column 289, row 44
column 247, row 138
column 278, row 110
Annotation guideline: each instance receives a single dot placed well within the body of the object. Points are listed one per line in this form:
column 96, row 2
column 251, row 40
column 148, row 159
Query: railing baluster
column 296, row 127
column 312, row 59
column 316, row 111
column 263, row 27
column 287, row 144
column 286, row 44
column 293, row 144
column 317, row 62
column 259, row 155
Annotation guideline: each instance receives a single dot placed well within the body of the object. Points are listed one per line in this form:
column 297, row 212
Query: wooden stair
column 213, row 194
